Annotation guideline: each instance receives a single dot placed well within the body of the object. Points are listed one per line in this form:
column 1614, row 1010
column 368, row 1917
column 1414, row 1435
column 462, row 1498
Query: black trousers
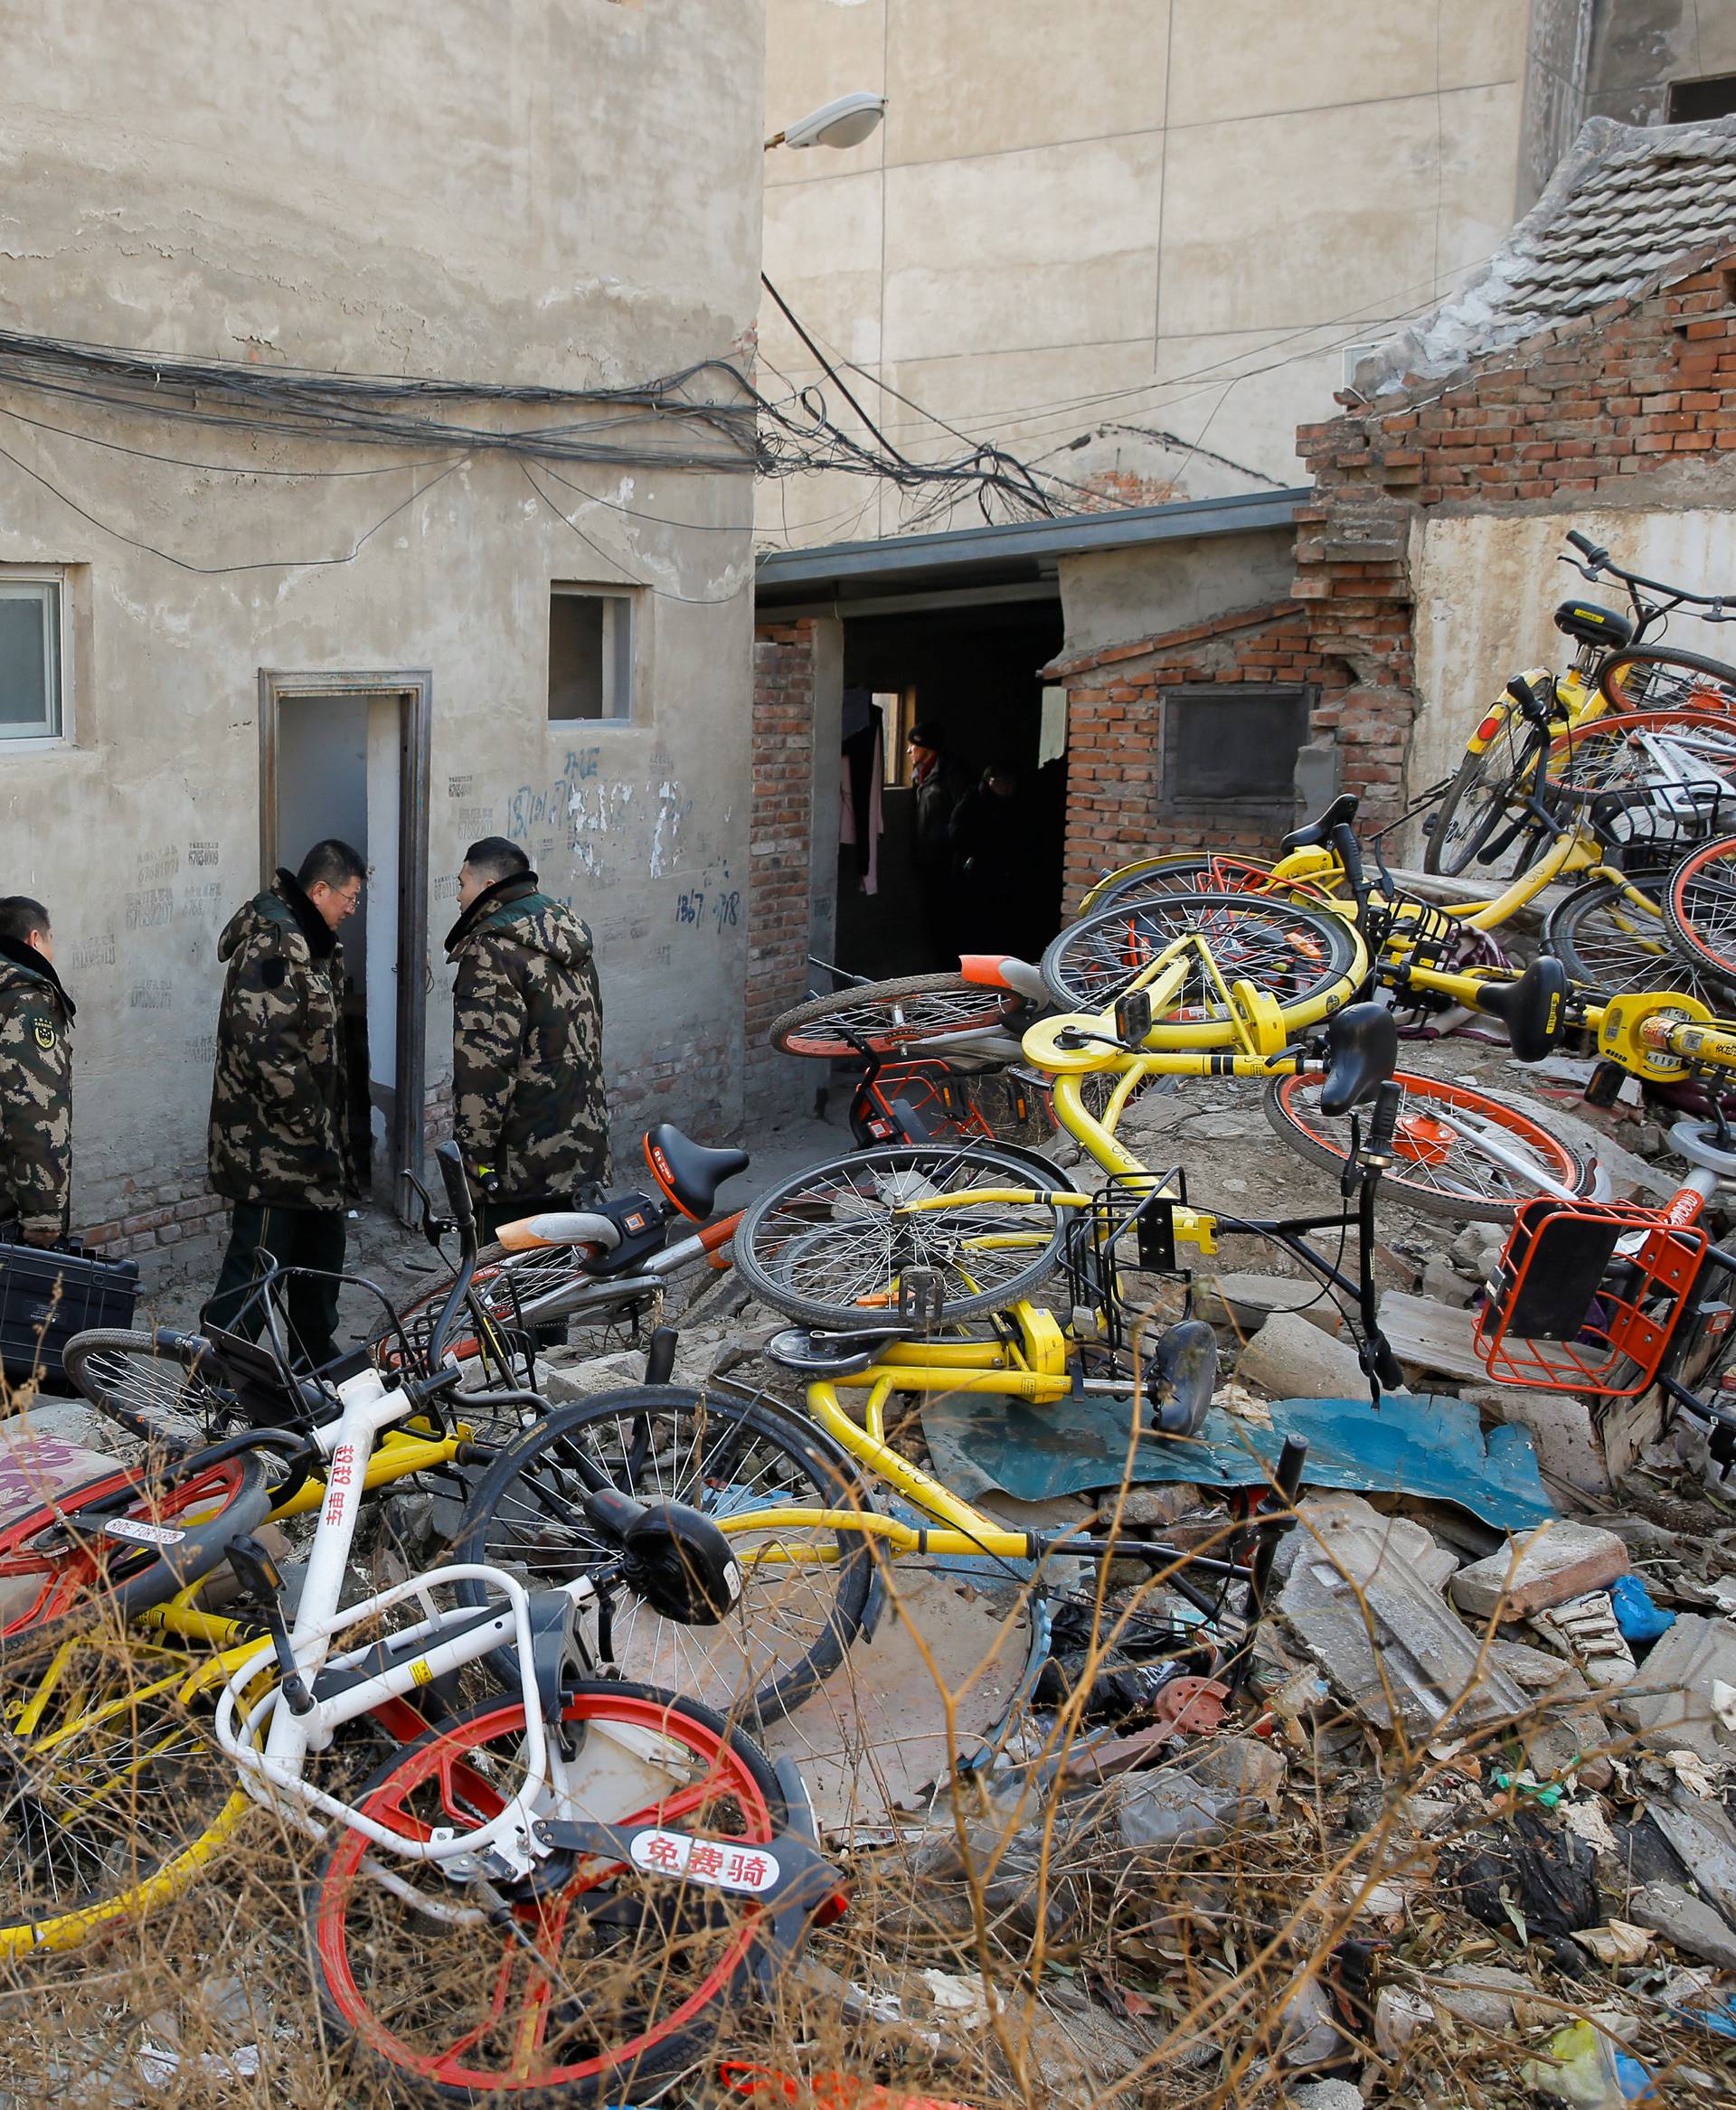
column 492, row 1211
column 293, row 1238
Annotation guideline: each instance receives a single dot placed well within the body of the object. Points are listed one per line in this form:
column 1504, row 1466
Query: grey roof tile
column 1626, row 202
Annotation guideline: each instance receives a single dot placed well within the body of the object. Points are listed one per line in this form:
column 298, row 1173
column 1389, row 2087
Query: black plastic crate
column 47, row 1295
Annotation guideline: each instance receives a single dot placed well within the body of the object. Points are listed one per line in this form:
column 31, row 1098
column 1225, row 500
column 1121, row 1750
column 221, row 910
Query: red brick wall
column 1116, row 805
column 782, row 838
column 1632, row 405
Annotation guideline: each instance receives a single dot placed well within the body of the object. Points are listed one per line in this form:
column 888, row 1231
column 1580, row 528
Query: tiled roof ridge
column 1627, row 202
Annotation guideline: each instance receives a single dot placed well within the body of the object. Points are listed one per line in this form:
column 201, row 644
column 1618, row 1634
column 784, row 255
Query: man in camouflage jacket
column 527, row 1041
column 35, row 1078
column 279, row 1098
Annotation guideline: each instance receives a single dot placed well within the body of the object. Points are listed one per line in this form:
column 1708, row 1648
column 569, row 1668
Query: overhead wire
column 608, row 557
column 225, row 570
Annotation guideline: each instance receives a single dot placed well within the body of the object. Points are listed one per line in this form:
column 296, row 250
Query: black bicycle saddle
column 1362, row 1053
column 688, row 1173
column 1312, row 835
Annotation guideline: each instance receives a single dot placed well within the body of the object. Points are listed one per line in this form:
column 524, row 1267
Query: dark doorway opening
column 346, row 755
column 972, row 673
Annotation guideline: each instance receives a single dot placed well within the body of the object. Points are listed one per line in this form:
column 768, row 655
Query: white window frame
column 55, row 661
column 621, row 655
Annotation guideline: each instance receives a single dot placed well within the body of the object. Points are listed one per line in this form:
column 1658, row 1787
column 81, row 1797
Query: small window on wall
column 590, row 655
column 31, row 707
column 1233, row 744
column 1695, row 102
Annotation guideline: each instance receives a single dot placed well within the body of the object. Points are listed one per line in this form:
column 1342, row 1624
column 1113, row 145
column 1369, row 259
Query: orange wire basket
column 1586, row 1295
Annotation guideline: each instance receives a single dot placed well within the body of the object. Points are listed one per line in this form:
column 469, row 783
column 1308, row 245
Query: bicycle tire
column 721, row 1455
column 1643, row 679
column 1310, row 959
column 798, row 1236
column 406, row 1986
column 50, row 1570
column 1608, row 947
column 1475, row 792
column 116, row 1795
column 1290, row 1105
column 1186, row 872
column 1700, row 907
column 882, row 1017
column 151, row 1385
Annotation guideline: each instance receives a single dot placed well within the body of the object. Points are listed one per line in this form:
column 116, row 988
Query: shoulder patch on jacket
column 274, row 971
column 43, row 1031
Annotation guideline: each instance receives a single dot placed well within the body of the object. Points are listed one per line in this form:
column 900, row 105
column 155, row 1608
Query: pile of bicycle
column 531, row 1871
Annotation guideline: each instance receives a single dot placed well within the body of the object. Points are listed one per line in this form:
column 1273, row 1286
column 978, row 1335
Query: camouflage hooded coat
column 35, row 1094
column 527, row 1043
column 278, row 1099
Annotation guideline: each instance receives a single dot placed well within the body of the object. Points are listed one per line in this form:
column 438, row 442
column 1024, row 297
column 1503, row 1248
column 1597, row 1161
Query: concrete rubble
column 1452, row 1814
column 1455, row 1811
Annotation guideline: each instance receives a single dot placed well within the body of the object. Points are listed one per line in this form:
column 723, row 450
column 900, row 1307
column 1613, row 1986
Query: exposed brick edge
column 1218, row 627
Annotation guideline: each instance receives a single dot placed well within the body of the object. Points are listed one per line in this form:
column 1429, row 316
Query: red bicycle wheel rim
column 733, row 1779
column 1557, row 1158
column 65, row 1577
column 1721, row 852
column 817, row 1042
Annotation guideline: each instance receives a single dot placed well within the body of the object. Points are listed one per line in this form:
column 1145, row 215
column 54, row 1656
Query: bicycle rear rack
column 1125, row 1206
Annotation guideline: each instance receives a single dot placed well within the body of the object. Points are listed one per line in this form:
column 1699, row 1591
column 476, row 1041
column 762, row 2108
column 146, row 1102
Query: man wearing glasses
column 278, row 1099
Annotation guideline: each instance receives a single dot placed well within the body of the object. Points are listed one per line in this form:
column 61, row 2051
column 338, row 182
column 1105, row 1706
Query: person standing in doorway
column 939, row 782
column 991, row 844
column 36, row 1078
column 280, row 1098
column 531, row 1108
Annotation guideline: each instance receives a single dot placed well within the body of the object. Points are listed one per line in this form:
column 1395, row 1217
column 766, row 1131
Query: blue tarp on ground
column 1428, row 1445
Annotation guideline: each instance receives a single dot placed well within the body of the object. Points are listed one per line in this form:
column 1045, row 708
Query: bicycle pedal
column 255, row 1570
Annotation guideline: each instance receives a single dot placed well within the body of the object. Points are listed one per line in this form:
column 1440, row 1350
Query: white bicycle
column 550, row 1893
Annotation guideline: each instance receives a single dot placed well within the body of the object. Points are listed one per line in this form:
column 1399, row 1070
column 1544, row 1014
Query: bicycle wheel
column 595, row 1982
column 1700, row 905
column 1474, row 802
column 796, row 1616
column 56, row 1555
column 162, row 1388
column 112, row 1796
column 883, row 1017
column 1612, row 945
column 1188, row 872
column 1674, row 772
column 1306, row 957
column 1457, row 1152
column 1643, row 680
column 831, row 1246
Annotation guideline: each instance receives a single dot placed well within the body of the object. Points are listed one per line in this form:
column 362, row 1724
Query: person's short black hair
column 494, row 858
column 21, row 919
column 926, row 733
column 330, row 863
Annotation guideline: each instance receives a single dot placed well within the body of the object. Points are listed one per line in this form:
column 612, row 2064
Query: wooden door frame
column 414, row 688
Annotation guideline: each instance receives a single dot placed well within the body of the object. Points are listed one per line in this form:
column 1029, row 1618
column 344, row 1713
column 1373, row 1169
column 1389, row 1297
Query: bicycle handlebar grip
column 1587, row 548
column 458, row 1188
column 1381, row 1129
column 1349, row 854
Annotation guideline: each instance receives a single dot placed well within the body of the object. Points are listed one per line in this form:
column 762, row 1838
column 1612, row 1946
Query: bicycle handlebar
column 1594, row 561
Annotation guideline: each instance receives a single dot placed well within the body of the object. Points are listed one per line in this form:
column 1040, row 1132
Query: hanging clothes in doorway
column 865, row 767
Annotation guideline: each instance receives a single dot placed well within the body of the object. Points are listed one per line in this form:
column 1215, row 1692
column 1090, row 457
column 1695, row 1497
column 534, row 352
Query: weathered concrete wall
column 1110, row 596
column 556, row 191
column 1639, row 47
column 1169, row 217
column 482, row 192
column 1486, row 586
